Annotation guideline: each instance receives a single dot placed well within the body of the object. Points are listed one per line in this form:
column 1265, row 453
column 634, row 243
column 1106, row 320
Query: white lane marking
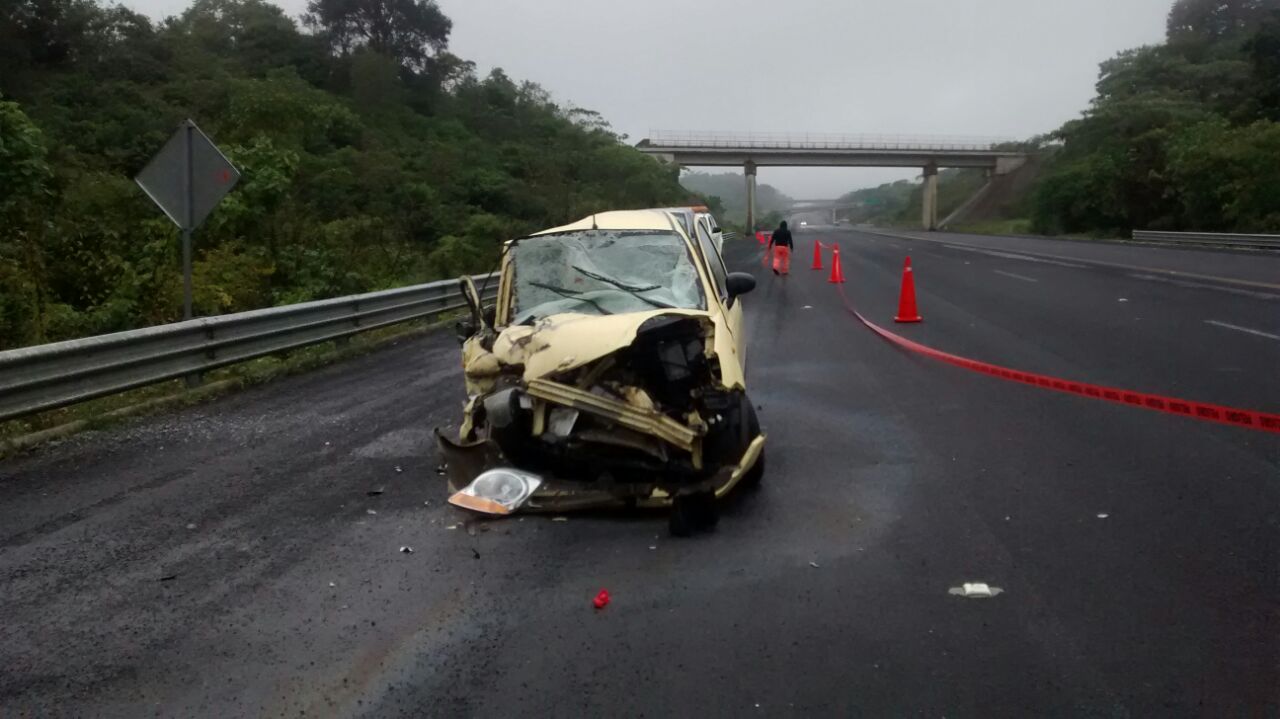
column 1015, row 256
column 1016, row 277
column 1101, row 263
column 1202, row 286
column 1238, row 328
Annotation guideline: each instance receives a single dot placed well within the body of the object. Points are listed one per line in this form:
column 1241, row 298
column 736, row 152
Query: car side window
column 715, row 264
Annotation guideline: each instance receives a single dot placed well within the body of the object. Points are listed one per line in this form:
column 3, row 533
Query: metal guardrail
column 43, row 377
column 821, row 141
column 1209, row 238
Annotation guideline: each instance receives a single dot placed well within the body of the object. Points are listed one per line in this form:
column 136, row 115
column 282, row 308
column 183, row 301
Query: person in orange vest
column 780, row 245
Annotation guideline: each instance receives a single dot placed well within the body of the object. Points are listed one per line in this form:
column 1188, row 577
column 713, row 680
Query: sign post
column 187, row 178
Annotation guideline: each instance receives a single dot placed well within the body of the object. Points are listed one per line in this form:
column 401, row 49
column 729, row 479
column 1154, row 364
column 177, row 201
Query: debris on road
column 398, row 470
column 653, row 546
column 374, row 492
column 370, row 511
column 441, row 469
column 191, row 525
column 807, row 307
column 452, row 526
column 475, row 554
column 406, row 550
column 813, row 564
column 1103, row 515
column 975, row 590
column 168, row 577
column 559, row 519
column 331, row 584
column 427, row 503
column 601, row 599
column 1122, row 299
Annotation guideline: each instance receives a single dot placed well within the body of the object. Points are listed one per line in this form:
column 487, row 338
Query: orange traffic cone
column 817, row 255
column 907, row 311
column 837, row 274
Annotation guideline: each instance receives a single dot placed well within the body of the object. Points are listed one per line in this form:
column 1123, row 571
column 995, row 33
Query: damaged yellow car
column 610, row 372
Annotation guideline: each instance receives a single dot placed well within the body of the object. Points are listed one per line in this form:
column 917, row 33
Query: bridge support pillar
column 749, row 170
column 929, row 200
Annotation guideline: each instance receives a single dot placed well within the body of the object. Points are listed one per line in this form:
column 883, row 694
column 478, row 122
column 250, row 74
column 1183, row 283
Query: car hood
column 560, row 343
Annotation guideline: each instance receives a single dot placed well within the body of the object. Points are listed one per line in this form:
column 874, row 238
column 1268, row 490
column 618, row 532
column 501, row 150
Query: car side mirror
column 464, row 329
column 739, row 283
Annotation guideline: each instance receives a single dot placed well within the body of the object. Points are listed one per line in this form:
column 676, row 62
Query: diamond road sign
column 189, row 165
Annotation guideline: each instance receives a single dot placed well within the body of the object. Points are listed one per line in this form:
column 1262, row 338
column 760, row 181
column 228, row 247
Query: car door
column 731, row 310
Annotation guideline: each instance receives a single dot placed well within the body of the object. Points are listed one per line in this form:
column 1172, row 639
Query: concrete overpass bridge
column 831, row 206
column 753, row 150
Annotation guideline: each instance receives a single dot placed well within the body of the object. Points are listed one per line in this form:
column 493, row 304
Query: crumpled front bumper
column 466, row 460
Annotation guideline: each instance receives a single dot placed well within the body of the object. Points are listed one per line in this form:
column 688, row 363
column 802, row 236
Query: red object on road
column 601, row 599
column 907, row 310
column 817, row 255
column 837, row 274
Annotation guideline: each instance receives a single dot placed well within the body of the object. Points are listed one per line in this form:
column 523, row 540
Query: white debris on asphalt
column 370, row 511
column 975, row 590
column 406, row 550
column 398, row 470
column 452, row 526
column 191, row 526
column 1122, row 299
column 559, row 519
column 331, row 584
column 653, row 546
column 808, row 307
column 1103, row 515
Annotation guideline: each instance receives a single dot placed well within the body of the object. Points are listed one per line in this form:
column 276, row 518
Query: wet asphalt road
column 228, row 559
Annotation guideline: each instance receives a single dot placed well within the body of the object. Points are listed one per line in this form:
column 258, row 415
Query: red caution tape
column 1246, row 418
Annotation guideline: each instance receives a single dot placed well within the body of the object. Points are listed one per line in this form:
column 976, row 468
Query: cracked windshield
column 576, row 358
column 602, row 272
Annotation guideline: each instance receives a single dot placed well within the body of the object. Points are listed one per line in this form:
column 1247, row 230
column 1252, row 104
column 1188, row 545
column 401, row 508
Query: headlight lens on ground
column 497, row 491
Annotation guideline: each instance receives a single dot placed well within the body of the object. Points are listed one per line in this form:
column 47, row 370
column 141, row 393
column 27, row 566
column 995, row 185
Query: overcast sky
column 1003, row 68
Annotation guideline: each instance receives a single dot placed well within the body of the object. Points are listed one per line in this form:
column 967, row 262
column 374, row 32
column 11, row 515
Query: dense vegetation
column 901, row 203
column 728, row 191
column 1181, row 136
column 371, row 157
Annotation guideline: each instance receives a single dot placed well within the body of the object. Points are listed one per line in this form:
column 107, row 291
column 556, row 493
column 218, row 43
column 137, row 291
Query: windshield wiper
column 571, row 294
column 629, row 289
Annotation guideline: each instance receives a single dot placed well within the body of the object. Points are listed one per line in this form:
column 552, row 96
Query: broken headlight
column 497, row 491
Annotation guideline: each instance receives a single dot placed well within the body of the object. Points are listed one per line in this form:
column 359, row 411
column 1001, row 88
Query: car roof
column 616, row 220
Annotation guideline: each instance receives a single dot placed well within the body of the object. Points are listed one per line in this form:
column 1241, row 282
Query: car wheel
column 692, row 513
column 681, row 522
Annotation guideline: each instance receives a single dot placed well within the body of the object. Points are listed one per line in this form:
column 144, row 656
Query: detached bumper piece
column 621, row 413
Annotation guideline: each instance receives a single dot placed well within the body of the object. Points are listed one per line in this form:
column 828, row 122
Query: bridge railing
column 819, row 141
column 43, row 377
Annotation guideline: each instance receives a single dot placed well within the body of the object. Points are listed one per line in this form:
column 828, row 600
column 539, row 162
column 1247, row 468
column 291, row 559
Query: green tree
column 25, row 194
column 411, row 31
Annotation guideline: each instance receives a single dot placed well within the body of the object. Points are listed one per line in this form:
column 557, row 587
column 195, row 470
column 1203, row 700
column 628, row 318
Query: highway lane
column 897, row 476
